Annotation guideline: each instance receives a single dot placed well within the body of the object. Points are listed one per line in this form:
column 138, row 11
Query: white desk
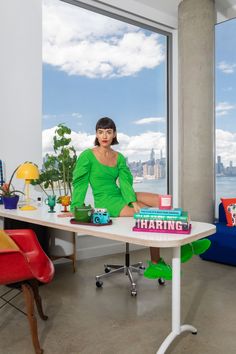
column 121, row 230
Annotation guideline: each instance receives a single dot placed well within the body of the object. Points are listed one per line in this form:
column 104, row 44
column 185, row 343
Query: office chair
column 23, row 264
column 127, row 269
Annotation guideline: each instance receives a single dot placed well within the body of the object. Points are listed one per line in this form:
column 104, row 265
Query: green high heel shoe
column 194, row 248
column 158, row 270
column 201, row 246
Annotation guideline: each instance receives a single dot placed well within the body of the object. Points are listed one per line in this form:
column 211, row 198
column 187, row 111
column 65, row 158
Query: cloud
column 80, row 42
column 64, row 117
column 226, row 67
column 223, row 108
column 136, row 147
column 150, row 120
column 226, row 146
column 230, row 88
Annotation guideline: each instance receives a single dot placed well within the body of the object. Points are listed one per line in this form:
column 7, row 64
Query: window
column 96, row 66
column 225, row 110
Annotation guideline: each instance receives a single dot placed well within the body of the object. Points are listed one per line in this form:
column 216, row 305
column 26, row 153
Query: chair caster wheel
column 195, row 333
column 107, row 270
column 99, row 283
column 133, row 292
column 161, row 281
column 142, row 267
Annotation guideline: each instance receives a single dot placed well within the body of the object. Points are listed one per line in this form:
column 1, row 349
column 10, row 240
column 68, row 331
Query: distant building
column 219, row 167
column 150, row 169
column 230, row 170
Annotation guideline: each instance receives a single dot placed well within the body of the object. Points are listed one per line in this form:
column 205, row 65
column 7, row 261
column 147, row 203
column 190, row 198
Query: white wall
column 20, row 84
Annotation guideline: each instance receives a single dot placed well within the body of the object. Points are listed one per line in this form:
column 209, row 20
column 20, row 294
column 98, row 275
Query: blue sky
column 226, row 75
column 123, row 99
column 96, row 66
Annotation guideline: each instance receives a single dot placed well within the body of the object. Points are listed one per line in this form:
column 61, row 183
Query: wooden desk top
column 120, row 230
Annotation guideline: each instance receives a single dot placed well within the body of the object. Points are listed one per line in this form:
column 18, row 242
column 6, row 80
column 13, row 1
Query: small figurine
column 83, row 213
column 100, row 216
column 51, row 202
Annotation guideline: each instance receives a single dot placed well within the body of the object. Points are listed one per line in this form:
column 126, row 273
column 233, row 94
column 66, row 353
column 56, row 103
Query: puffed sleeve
column 126, row 181
column 80, row 179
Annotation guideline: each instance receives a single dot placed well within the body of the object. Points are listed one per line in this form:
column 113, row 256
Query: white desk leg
column 176, row 307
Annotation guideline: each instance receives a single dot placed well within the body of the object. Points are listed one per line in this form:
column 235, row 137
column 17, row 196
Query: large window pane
column 97, row 66
column 225, row 110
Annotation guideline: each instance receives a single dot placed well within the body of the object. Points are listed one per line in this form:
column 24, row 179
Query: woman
column 100, row 167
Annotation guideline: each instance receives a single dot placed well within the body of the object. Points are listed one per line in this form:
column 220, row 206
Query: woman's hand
column 136, row 207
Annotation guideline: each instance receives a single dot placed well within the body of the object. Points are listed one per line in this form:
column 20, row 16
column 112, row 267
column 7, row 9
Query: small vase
column 65, row 201
column 10, row 202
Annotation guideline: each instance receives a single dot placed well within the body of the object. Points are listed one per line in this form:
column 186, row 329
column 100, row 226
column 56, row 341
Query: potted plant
column 56, row 173
column 56, row 177
column 65, row 157
column 8, row 193
column 48, row 176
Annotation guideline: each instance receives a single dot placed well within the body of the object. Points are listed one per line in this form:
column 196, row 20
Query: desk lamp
column 27, row 171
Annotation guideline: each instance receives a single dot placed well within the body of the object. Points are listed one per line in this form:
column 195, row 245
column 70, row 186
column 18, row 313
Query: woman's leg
column 149, row 199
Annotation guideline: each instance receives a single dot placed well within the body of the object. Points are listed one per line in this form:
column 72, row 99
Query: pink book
column 163, row 231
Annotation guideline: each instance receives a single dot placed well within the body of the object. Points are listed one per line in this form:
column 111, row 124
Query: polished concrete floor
column 86, row 320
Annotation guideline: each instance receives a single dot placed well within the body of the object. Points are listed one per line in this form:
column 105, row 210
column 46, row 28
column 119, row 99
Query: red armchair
column 23, row 261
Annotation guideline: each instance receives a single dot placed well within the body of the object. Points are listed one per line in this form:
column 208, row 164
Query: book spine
column 149, row 211
column 163, row 231
column 183, row 218
column 167, row 225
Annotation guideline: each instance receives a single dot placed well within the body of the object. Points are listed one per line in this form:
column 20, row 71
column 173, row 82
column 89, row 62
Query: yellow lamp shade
column 27, row 171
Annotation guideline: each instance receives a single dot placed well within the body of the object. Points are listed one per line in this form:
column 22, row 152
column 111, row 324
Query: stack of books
column 158, row 220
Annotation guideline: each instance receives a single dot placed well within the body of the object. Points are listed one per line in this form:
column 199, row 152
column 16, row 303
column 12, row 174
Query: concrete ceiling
column 226, row 9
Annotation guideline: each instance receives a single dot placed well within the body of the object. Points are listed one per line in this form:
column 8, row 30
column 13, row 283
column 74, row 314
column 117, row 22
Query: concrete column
column 196, row 108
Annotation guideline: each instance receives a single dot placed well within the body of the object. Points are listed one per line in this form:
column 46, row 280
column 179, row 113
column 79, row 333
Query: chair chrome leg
column 127, row 268
column 133, row 284
column 105, row 275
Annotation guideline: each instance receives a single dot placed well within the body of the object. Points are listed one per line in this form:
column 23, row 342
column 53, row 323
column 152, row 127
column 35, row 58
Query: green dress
column 102, row 178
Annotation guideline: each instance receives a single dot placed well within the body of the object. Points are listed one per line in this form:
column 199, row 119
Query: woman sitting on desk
column 100, row 167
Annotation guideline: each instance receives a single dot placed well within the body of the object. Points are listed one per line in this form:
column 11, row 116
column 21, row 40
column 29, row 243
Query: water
column 225, row 187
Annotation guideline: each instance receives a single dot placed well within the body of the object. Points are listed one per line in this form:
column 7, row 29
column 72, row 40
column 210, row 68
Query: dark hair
column 106, row 123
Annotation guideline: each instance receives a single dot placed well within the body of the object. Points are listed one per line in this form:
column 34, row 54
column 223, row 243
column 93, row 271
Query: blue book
column 156, row 211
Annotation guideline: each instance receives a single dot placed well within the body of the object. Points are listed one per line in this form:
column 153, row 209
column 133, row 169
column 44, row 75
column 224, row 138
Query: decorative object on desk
column 65, row 157
column 27, row 171
column 51, row 202
column 163, row 221
column 10, row 202
column 9, row 194
column 65, row 201
column 100, row 216
column 83, row 213
column 73, row 221
column 165, row 202
column 56, row 176
column 56, row 173
column 39, row 201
